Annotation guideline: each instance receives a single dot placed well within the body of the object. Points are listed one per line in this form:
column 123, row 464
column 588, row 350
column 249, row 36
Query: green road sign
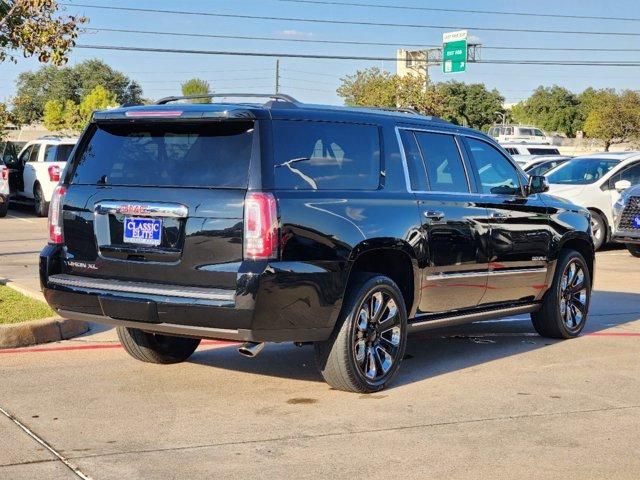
column 454, row 51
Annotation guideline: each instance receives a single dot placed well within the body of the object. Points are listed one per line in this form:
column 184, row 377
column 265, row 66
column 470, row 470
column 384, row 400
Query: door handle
column 498, row 216
column 433, row 215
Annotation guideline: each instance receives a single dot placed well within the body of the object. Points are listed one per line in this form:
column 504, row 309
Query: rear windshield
column 543, row 151
column 214, row 155
column 312, row 155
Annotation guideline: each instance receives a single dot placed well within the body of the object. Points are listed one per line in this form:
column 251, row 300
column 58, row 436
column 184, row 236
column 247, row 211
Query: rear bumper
column 276, row 302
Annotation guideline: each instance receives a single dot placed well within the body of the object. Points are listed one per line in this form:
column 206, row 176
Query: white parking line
column 21, row 219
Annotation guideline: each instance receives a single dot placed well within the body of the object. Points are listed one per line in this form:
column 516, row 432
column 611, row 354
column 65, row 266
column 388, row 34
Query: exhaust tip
column 250, row 349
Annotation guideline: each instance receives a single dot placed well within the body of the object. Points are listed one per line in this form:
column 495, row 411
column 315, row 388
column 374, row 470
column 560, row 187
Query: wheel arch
column 393, row 258
column 583, row 244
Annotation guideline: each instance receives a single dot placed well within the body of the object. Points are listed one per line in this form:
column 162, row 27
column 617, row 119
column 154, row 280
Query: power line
column 353, row 22
column 352, row 57
column 349, row 42
column 458, row 10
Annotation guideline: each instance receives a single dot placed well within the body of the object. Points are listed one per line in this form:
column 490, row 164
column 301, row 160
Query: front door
column 520, row 234
column 452, row 224
column 29, row 174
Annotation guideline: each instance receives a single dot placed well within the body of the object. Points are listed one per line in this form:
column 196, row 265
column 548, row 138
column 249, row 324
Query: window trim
column 405, row 168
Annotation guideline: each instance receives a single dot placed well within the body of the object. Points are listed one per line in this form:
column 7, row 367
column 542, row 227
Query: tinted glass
column 525, row 132
column 189, row 155
column 33, row 156
column 445, row 171
column 538, row 133
column 313, row 155
column 512, row 151
column 417, row 173
column 57, row 153
column 543, row 151
column 581, row 171
column 497, row 174
column 632, row 174
column 543, row 167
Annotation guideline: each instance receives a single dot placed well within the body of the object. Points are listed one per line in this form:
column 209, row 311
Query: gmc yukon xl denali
column 348, row 228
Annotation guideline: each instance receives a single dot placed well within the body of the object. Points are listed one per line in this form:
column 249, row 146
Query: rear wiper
column 306, row 178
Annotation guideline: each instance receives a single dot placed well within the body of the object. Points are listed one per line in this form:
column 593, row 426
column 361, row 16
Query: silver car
column 626, row 215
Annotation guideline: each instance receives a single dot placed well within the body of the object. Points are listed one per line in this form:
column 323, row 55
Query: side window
column 632, row 174
column 50, row 153
column 496, row 173
column 24, row 157
column 445, row 170
column 313, row 155
column 417, row 173
column 512, row 151
column 33, row 156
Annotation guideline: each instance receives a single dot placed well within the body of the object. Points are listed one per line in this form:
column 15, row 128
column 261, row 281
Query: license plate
column 145, row 231
column 636, row 222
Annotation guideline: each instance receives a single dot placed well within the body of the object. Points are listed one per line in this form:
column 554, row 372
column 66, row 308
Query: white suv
column 595, row 182
column 518, row 133
column 38, row 170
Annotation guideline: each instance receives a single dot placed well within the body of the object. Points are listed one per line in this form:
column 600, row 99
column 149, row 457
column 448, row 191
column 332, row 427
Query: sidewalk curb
column 53, row 329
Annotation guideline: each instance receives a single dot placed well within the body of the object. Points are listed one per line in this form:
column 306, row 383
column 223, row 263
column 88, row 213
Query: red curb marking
column 95, row 346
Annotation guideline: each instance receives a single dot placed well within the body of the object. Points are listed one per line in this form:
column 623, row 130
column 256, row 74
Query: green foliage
column 197, row 86
column 551, row 108
column 376, row 88
column 470, row 104
column 71, row 116
column 33, row 27
column 35, row 89
column 613, row 118
column 5, row 119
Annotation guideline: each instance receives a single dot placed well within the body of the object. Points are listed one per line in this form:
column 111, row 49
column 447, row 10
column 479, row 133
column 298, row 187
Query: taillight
column 55, row 215
column 260, row 226
column 4, row 173
column 54, row 173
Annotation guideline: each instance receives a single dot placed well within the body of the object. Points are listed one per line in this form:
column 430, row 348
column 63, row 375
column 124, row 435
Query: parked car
column 36, row 173
column 530, row 149
column 518, row 133
column 546, row 162
column 343, row 227
column 4, row 189
column 626, row 215
column 595, row 182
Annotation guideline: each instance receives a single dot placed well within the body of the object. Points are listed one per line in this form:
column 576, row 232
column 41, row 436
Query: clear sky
column 160, row 74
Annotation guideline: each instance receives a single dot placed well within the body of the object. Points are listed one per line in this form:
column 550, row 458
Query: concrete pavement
column 491, row 400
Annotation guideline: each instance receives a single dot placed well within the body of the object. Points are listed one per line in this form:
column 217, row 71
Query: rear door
column 520, row 235
column 29, row 174
column 160, row 201
column 451, row 221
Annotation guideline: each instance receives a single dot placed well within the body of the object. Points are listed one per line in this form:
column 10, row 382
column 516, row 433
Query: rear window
column 183, row 155
column 57, row 153
column 311, row 155
column 543, row 151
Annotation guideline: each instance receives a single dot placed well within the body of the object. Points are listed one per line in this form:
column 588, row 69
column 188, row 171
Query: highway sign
column 454, row 51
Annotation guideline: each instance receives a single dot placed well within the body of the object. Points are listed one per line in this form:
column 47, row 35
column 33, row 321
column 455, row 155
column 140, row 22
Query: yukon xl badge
column 82, row 265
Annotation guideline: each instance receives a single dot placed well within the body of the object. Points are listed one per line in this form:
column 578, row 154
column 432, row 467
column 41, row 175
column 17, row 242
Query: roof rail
column 398, row 109
column 274, row 96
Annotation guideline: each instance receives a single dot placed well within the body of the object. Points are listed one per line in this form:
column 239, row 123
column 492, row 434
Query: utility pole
column 277, row 76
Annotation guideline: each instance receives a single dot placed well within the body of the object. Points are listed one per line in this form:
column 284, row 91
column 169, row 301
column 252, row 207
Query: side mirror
column 622, row 185
column 538, row 184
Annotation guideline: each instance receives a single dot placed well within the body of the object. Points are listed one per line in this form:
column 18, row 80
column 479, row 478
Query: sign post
column 454, row 51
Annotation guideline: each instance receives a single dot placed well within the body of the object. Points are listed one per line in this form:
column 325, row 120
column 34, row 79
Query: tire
column 362, row 356
column 633, row 248
column 599, row 229
column 156, row 348
column 551, row 320
column 4, row 208
column 41, row 206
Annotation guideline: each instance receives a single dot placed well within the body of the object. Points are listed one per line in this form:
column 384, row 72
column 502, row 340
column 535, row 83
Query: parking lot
column 489, row 400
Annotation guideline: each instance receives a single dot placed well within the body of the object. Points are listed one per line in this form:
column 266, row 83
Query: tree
column 197, row 86
column 376, row 88
column 470, row 104
column 32, row 27
column 614, row 118
column 551, row 108
column 34, row 89
column 98, row 99
column 54, row 115
column 5, row 119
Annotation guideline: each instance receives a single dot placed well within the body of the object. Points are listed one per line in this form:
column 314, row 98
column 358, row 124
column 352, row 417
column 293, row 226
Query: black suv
column 343, row 227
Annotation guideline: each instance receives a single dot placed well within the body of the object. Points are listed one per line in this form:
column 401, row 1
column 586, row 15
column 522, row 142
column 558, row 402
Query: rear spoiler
column 163, row 114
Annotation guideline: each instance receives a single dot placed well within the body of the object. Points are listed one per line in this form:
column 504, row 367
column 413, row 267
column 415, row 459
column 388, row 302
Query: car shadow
column 435, row 352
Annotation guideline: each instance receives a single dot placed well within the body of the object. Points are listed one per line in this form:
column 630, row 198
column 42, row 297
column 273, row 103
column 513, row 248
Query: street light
column 503, row 116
